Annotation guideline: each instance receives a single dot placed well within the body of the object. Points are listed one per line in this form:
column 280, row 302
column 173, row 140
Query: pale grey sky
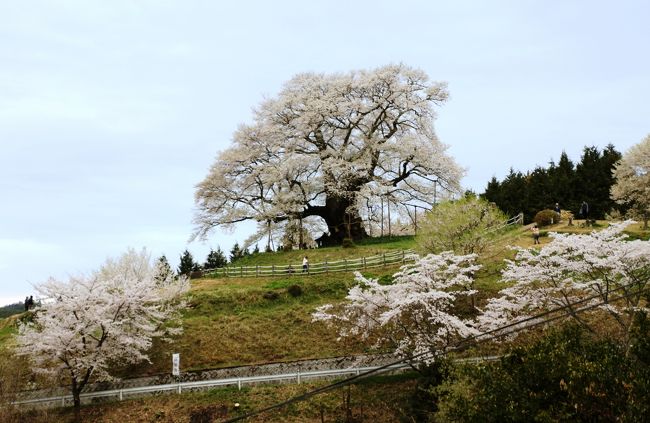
column 111, row 112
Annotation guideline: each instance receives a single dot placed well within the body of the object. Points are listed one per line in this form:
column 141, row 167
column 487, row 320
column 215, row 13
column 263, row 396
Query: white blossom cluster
column 415, row 314
column 418, row 312
column 572, row 269
column 92, row 322
column 632, row 175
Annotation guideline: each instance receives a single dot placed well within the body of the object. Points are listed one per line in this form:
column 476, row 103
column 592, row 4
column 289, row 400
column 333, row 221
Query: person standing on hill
column 305, row 265
column 535, row 230
column 584, row 210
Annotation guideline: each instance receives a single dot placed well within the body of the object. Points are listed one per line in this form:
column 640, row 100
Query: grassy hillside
column 236, row 321
column 11, row 309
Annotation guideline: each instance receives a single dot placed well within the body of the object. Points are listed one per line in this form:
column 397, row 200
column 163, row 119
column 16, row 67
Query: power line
column 491, row 334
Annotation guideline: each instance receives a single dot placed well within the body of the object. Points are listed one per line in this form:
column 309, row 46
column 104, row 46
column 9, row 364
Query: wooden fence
column 346, row 265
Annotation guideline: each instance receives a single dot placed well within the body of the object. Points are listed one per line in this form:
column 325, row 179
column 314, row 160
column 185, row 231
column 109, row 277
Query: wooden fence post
column 384, row 256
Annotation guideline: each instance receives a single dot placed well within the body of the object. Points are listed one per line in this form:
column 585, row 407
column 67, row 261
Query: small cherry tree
column 632, row 185
column 109, row 317
column 571, row 269
column 416, row 313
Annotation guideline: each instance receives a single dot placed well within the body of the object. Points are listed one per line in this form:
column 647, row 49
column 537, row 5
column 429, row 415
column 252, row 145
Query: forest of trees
column 564, row 182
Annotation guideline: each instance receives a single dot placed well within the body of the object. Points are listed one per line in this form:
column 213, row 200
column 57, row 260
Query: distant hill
column 11, row 309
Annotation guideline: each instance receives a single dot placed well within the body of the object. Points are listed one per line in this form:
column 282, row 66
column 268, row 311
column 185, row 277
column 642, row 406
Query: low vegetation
column 239, row 321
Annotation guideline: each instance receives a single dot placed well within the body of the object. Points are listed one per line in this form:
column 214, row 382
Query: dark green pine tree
column 493, row 191
column 235, row 253
column 608, row 162
column 215, row 259
column 594, row 179
column 515, row 195
column 540, row 192
column 187, row 264
column 562, row 183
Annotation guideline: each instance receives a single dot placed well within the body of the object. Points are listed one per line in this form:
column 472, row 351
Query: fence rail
column 345, row 265
column 179, row 387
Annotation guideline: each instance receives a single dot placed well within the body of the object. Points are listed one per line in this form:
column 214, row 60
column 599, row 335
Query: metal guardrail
column 179, row 387
column 187, row 386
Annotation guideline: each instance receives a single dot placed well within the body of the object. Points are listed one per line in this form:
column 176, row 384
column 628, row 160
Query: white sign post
column 176, row 364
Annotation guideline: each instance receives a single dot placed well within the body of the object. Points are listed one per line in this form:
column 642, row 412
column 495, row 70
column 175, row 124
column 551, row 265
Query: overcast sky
column 112, row 111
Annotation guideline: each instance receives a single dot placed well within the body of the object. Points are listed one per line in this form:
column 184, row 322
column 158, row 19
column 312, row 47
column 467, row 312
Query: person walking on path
column 584, row 210
column 535, row 230
column 305, row 265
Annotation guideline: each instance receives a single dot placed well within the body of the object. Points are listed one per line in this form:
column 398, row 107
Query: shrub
column 295, row 290
column 566, row 216
column 568, row 375
column 271, row 295
column 196, row 274
column 465, row 226
column 347, row 243
column 545, row 218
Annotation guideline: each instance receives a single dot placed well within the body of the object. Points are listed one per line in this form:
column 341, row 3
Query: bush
column 568, row 375
column 545, row 218
column 271, row 295
column 347, row 243
column 465, row 226
column 196, row 274
column 295, row 290
column 566, row 216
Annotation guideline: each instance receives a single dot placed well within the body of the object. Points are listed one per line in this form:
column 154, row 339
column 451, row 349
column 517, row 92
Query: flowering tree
column 572, row 268
column 94, row 321
column 325, row 145
column 415, row 314
column 632, row 175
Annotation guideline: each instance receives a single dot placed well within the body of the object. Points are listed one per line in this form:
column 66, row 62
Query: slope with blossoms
column 238, row 321
column 253, row 320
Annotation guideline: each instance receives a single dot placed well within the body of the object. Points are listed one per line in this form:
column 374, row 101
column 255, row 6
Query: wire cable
column 483, row 337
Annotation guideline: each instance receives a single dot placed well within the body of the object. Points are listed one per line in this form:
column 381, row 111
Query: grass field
column 241, row 321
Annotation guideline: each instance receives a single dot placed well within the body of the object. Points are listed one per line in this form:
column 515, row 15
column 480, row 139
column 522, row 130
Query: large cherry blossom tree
column 92, row 322
column 416, row 315
column 632, row 186
column 325, row 146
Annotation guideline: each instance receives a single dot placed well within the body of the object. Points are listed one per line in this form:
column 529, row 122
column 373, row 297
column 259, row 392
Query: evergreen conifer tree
column 235, row 253
column 594, row 179
column 215, row 259
column 187, row 264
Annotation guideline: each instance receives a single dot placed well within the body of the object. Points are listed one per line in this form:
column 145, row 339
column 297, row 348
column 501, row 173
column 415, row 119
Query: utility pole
column 382, row 216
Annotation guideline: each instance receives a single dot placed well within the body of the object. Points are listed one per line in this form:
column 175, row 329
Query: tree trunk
column 76, row 398
column 341, row 223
